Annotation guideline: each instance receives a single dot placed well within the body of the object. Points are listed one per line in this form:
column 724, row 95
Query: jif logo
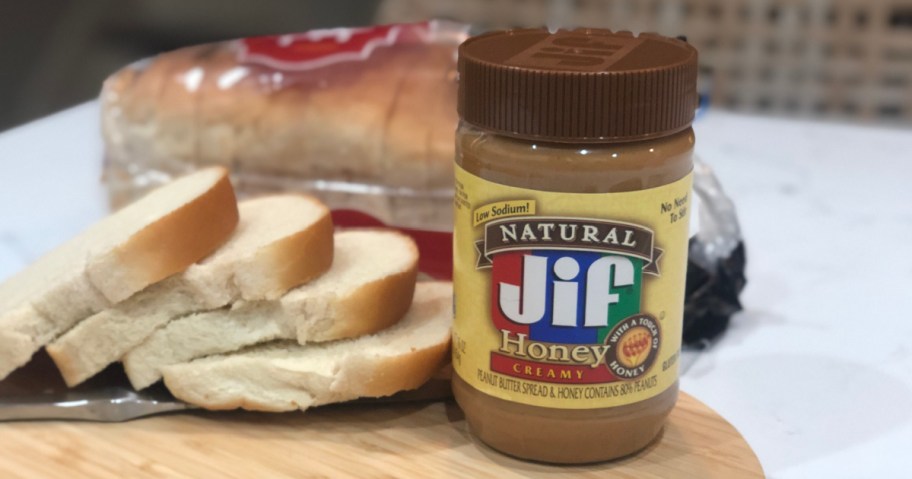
column 564, row 296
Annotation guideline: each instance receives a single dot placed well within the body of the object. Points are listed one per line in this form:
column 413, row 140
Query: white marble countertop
column 816, row 373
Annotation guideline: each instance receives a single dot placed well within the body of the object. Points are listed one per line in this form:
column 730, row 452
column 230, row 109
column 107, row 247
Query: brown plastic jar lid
column 583, row 85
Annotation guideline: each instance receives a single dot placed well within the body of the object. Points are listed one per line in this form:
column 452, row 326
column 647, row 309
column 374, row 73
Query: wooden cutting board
column 419, row 439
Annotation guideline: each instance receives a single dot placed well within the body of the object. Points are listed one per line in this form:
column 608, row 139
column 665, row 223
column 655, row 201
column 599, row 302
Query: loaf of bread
column 362, row 117
column 280, row 242
column 368, row 288
column 286, row 376
column 160, row 235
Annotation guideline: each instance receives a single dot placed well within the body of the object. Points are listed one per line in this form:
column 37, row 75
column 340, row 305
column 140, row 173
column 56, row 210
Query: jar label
column 565, row 300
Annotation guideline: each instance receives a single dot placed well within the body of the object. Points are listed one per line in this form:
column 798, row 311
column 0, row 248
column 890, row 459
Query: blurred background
column 849, row 60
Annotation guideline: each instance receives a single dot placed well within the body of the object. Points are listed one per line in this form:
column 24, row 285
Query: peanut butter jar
column 573, row 187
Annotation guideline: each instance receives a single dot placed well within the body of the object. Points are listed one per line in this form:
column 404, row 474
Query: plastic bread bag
column 716, row 261
column 363, row 118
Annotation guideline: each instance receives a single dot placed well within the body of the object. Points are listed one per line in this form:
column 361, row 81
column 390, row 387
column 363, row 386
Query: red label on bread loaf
column 319, row 48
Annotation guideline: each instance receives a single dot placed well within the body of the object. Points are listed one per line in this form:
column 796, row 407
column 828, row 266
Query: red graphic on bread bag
column 319, row 48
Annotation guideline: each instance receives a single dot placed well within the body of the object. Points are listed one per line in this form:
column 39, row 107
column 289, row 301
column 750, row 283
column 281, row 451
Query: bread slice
column 156, row 237
column 281, row 242
column 369, row 288
column 285, row 376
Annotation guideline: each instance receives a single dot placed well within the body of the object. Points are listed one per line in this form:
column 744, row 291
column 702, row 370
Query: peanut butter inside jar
column 578, row 112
